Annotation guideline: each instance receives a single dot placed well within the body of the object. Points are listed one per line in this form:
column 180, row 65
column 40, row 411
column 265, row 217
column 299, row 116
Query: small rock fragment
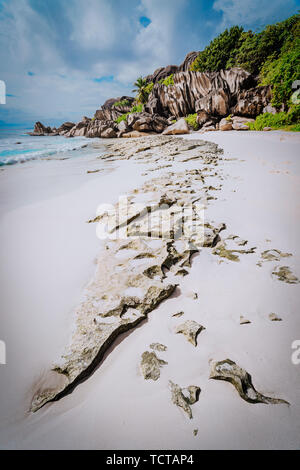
column 274, row 255
column 158, row 347
column 177, row 315
column 274, row 317
column 183, row 401
column 285, row 274
column 230, row 372
column 195, row 432
column 190, row 329
column 244, row 321
column 150, row 365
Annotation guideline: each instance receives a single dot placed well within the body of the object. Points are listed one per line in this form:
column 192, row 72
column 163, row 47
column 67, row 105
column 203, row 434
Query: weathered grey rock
column 163, row 72
column 208, row 129
column 230, row 372
column 177, row 315
column 232, row 255
column 184, row 397
column 274, row 255
column 158, row 347
column 145, row 122
column 225, row 125
column 284, row 274
column 130, row 279
column 65, row 128
column 253, row 101
column 190, row 329
column 78, row 129
column 108, row 133
column 150, row 365
column 40, row 130
column 133, row 134
column 202, row 118
column 110, row 112
column 98, row 128
column 274, row 317
column 212, row 92
column 239, row 126
column 180, row 127
column 244, row 321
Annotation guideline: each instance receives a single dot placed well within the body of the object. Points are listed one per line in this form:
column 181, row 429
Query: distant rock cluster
column 213, row 96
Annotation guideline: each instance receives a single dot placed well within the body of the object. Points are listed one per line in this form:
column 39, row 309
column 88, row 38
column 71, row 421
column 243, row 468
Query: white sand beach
column 48, row 254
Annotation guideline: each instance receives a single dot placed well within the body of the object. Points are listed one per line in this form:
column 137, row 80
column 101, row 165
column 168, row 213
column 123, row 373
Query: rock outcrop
column 40, row 130
column 143, row 241
column 114, row 107
column 216, row 93
column 184, row 397
column 150, row 365
column 190, row 329
column 179, row 127
column 230, row 372
column 164, row 72
column 252, row 102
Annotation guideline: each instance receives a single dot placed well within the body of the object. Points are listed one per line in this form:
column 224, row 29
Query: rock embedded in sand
column 132, row 269
column 158, row 347
column 222, row 251
column 284, row 274
column 274, row 317
column 274, row 255
column 180, row 127
column 230, row 372
column 190, row 329
column 185, row 397
column 177, row 315
column 244, row 321
column 150, row 365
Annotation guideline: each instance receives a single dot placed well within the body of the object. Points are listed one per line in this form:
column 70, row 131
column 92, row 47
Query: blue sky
column 61, row 59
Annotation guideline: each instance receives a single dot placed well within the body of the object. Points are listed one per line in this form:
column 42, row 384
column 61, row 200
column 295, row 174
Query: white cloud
column 249, row 12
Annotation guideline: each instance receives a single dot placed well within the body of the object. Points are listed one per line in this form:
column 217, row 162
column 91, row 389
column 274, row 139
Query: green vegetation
column 141, row 88
column 167, row 81
column 273, row 54
column 149, row 88
column 138, row 108
column 121, row 118
column 191, row 119
column 121, row 103
column 286, row 121
column 282, row 72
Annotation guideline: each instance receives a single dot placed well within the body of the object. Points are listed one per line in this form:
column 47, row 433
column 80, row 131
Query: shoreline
column 250, row 212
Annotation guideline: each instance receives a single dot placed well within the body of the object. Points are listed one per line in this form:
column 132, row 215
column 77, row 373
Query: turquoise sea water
column 16, row 146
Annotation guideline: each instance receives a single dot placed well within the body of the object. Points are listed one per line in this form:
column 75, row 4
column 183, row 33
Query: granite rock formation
column 230, row 372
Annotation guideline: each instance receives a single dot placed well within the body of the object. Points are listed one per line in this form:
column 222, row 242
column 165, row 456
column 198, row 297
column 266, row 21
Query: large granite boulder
column 145, row 122
column 164, row 72
column 79, row 129
column 99, row 128
column 40, row 130
column 112, row 108
column 180, row 127
column 213, row 92
column 225, row 125
column 65, row 128
column 253, row 101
